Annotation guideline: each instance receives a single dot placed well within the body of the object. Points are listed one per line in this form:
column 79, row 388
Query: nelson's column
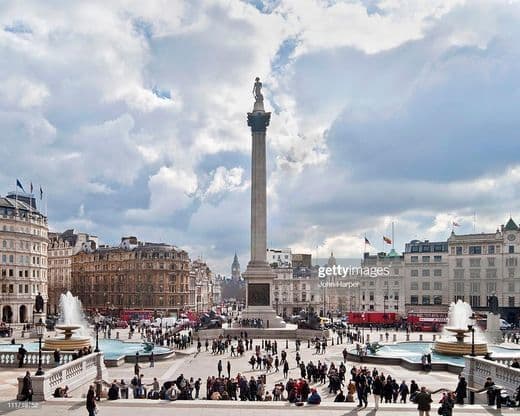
column 258, row 275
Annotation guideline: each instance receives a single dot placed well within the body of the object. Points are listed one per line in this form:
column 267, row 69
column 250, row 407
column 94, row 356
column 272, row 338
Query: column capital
column 258, row 121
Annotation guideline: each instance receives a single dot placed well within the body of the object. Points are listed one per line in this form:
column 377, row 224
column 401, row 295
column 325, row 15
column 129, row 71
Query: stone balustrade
column 73, row 374
column 477, row 369
column 10, row 359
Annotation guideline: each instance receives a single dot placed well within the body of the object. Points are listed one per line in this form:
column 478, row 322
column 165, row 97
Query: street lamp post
column 96, row 321
column 472, row 329
column 40, row 328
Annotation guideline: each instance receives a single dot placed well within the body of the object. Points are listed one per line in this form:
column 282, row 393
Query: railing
column 10, row 359
column 74, row 374
column 478, row 369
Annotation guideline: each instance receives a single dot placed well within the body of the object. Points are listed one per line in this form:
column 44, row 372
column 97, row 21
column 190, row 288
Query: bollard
column 471, row 397
column 368, row 337
column 381, row 337
column 420, row 337
column 394, row 337
column 434, row 337
column 308, row 343
column 117, row 334
column 408, row 337
column 23, row 334
column 286, row 344
column 332, row 340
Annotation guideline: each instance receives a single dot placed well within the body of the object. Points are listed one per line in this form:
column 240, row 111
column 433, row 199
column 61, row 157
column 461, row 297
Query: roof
column 11, row 202
column 511, row 226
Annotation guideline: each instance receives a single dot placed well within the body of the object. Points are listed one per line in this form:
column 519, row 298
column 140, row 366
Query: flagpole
column 392, row 235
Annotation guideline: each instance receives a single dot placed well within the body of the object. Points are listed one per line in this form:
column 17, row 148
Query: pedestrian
column 91, row 401
column 285, row 369
column 461, row 390
column 22, row 352
column 137, row 368
column 229, row 369
column 423, row 400
column 377, row 390
column 219, row 368
column 152, row 359
column 403, row 391
column 57, row 357
column 27, row 390
column 197, row 388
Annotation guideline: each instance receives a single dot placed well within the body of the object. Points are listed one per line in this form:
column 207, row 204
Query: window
column 414, row 259
column 425, row 272
column 491, row 261
column 437, row 259
column 511, row 273
column 511, row 262
column 396, row 271
column 491, row 273
column 437, row 285
column 474, row 262
column 458, row 287
column 458, row 273
column 426, row 259
column 425, row 248
column 414, row 286
column 414, row 273
column 511, row 249
column 491, row 287
column 426, row 299
column 491, row 249
column 474, row 273
column 511, row 286
column 414, row 300
column 437, row 272
column 474, row 301
column 458, row 263
column 437, row 248
column 511, row 301
column 437, row 300
column 475, row 287
column 426, row 285
column 415, row 249
column 475, row 249
column 458, row 251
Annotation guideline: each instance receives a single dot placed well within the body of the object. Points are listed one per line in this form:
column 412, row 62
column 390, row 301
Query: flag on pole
column 387, row 240
column 31, row 188
column 19, row 185
column 41, row 192
column 456, row 224
column 367, row 242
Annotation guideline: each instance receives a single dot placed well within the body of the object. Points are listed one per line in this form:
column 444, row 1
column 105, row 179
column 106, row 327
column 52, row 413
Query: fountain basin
column 459, row 348
column 67, row 340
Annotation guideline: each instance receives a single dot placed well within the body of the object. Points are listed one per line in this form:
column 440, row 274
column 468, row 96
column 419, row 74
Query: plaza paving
column 192, row 364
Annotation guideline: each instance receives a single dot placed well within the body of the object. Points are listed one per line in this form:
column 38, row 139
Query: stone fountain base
column 459, row 349
column 460, row 346
column 67, row 341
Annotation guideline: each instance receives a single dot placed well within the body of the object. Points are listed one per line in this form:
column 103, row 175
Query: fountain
column 73, row 325
column 453, row 340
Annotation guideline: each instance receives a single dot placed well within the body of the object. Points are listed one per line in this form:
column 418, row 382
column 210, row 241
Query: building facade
column 427, row 276
column 202, row 278
column 62, row 246
column 295, row 290
column 235, row 269
column 133, row 275
column 23, row 256
column 280, row 257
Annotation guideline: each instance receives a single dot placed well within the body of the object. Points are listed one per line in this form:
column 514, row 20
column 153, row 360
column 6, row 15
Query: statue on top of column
column 257, row 90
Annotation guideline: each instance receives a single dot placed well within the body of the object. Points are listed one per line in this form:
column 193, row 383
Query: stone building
column 235, row 269
column 296, row 289
column 23, row 256
column 382, row 287
column 133, row 275
column 202, row 278
column 426, row 276
column 62, row 246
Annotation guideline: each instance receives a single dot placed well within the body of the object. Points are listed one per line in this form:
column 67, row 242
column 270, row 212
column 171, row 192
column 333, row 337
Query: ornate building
column 201, row 276
column 23, row 256
column 62, row 246
column 133, row 275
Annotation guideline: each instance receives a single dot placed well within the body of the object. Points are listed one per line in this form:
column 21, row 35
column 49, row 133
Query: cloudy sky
column 132, row 117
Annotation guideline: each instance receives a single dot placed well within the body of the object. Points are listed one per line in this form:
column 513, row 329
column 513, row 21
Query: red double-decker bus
column 135, row 315
column 427, row 322
column 373, row 318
